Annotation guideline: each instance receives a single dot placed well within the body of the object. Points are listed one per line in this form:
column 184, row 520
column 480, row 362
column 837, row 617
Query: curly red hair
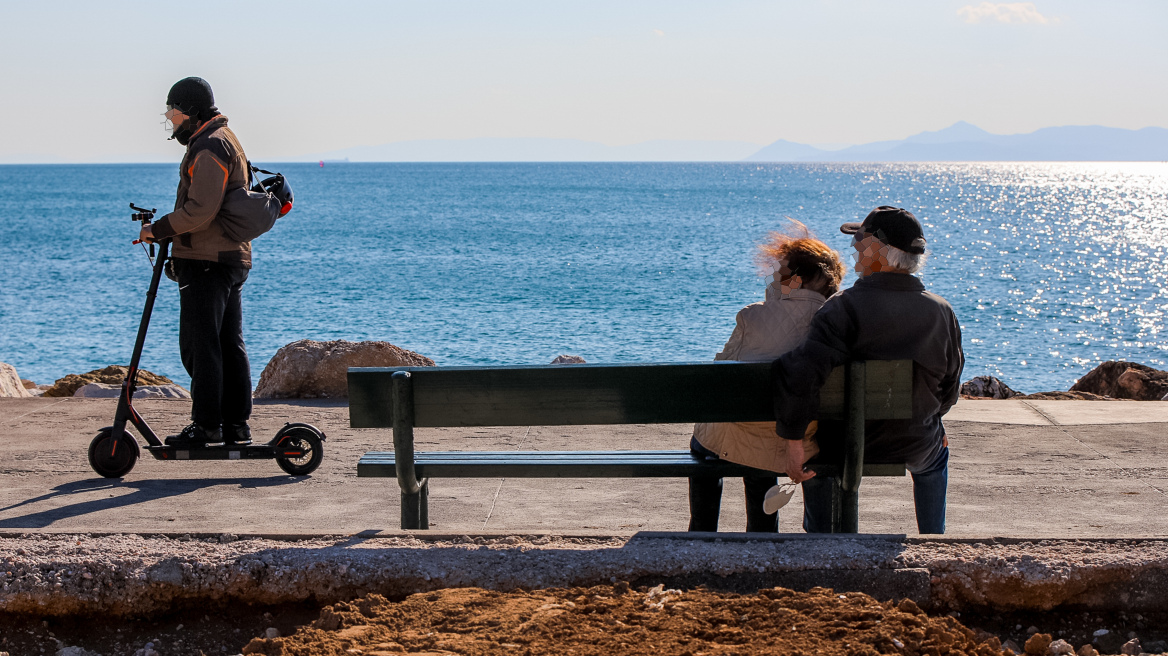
column 805, row 255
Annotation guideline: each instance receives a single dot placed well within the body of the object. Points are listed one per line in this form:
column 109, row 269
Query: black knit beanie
column 192, row 96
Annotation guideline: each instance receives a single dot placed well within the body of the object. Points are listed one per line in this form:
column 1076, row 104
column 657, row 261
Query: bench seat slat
column 576, row 464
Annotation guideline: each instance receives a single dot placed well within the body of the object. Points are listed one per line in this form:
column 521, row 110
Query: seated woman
column 803, row 273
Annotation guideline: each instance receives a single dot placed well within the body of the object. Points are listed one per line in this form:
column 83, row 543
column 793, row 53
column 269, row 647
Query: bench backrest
column 559, row 395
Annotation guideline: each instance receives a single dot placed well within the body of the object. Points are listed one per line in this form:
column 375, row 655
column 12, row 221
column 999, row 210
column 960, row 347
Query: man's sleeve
column 799, row 375
column 205, row 196
column 951, row 384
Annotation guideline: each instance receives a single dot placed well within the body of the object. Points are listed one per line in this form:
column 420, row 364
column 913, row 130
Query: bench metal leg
column 849, row 511
column 415, row 508
column 414, row 504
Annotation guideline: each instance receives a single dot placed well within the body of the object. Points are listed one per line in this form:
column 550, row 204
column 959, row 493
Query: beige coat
column 762, row 332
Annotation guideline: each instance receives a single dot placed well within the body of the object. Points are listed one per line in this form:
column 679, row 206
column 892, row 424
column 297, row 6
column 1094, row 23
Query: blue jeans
column 929, row 488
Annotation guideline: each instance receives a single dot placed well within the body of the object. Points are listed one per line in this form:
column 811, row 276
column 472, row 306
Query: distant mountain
column 541, row 150
column 964, row 142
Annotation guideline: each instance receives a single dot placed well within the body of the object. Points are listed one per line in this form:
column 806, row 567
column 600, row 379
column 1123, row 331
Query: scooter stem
column 125, row 411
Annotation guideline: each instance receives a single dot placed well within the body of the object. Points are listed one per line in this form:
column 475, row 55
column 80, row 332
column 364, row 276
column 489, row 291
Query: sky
column 87, row 81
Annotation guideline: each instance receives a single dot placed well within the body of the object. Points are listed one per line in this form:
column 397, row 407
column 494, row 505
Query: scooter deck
column 249, row 452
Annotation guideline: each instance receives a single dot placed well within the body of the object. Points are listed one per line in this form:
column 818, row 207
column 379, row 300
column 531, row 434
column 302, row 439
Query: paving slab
column 1025, row 412
column 1073, row 475
column 998, row 412
column 1076, row 413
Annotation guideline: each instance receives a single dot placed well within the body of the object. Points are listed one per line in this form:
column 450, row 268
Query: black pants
column 705, row 499
column 210, row 340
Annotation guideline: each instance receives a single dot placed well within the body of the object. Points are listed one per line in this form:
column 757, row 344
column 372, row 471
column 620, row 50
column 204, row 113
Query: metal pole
column 414, row 513
column 853, row 448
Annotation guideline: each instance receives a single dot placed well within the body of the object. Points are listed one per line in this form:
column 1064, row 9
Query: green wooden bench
column 588, row 394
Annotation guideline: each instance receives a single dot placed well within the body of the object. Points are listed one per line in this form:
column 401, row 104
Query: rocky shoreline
column 308, row 369
column 1110, row 381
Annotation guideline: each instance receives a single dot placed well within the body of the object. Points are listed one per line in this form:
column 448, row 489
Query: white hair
column 904, row 261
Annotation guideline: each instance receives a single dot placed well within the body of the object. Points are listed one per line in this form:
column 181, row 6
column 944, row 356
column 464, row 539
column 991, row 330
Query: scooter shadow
column 143, row 491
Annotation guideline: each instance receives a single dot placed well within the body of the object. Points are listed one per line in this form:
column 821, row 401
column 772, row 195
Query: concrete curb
column 138, row 575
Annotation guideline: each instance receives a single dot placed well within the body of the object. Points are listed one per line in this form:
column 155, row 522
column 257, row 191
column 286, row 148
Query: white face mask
column 777, row 497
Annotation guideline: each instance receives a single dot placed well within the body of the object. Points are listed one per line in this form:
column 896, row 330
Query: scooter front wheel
column 113, row 457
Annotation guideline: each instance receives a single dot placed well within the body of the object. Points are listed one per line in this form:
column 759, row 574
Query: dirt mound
column 616, row 620
column 111, row 375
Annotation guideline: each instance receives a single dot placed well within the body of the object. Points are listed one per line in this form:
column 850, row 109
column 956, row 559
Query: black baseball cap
column 894, row 226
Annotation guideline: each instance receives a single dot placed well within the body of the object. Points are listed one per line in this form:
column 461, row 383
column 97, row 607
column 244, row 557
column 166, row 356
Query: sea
column 1050, row 267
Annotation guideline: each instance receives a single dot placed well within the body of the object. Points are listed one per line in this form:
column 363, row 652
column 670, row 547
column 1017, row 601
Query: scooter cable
column 147, row 252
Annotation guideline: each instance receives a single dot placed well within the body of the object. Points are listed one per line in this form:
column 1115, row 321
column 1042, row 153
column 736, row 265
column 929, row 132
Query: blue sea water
column 1051, row 268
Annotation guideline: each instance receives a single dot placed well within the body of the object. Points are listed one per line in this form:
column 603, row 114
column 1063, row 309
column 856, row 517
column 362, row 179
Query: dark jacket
column 214, row 164
column 884, row 316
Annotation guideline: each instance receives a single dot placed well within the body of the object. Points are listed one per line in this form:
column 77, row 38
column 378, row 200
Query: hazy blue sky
column 87, row 80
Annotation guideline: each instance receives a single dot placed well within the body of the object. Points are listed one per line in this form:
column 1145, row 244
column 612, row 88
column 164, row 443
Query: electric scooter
column 297, row 448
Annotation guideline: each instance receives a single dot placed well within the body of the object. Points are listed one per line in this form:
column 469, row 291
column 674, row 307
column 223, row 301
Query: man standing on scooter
column 210, row 269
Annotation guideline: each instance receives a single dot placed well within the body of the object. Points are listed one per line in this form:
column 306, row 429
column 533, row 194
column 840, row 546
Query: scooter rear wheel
column 305, row 439
column 113, row 458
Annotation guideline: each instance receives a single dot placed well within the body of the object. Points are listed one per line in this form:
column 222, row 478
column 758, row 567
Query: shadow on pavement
column 142, row 491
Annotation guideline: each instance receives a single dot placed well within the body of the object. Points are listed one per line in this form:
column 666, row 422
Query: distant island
column 960, row 142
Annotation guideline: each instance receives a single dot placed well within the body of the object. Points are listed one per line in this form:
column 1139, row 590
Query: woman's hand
column 795, row 469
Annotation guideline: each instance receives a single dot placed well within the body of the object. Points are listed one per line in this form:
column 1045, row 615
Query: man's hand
column 795, row 458
column 944, row 440
column 147, row 234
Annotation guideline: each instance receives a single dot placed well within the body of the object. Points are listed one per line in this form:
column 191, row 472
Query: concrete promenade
column 1069, row 469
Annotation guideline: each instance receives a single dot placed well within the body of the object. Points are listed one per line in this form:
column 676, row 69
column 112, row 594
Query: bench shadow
column 142, row 491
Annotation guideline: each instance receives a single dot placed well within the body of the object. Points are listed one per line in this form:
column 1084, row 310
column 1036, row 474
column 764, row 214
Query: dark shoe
column 194, row 436
column 237, row 435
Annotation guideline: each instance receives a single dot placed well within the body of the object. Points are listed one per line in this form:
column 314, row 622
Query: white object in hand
column 777, row 497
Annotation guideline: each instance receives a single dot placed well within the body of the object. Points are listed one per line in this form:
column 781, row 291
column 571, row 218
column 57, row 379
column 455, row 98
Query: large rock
column 986, row 387
column 569, row 359
column 309, row 369
column 1125, row 380
column 10, row 384
column 108, row 391
column 111, row 375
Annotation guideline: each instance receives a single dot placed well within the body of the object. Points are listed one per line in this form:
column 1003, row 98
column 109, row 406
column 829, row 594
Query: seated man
column 885, row 315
